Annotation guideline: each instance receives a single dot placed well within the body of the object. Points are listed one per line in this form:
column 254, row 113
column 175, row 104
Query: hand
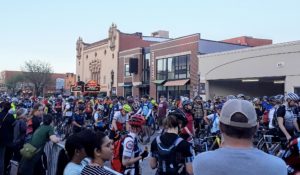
column 144, row 154
column 288, row 138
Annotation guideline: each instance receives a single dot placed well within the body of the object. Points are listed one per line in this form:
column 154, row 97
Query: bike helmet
column 81, row 107
column 230, row 97
column 218, row 106
column 279, row 98
column 198, row 97
column 186, row 102
column 137, row 120
column 240, row 96
column 272, row 99
column 126, row 108
column 101, row 107
column 291, row 96
column 255, row 100
column 180, row 116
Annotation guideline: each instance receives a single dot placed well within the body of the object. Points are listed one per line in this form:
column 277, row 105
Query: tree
column 13, row 82
column 38, row 73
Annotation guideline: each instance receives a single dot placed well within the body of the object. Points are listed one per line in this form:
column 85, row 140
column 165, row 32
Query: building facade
column 134, row 78
column 99, row 61
column 174, row 65
column 24, row 86
column 257, row 71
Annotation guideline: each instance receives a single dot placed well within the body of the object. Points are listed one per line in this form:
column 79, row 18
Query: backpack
column 58, row 105
column 167, row 157
column 274, row 120
column 116, row 162
column 88, row 109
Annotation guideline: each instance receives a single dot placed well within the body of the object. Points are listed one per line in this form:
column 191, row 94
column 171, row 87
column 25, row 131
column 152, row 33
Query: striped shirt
column 97, row 170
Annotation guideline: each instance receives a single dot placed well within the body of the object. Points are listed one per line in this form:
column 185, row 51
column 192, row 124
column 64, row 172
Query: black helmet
column 81, row 107
column 179, row 115
column 186, row 102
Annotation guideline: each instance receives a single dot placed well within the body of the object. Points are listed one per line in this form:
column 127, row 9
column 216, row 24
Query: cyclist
column 188, row 131
column 198, row 113
column 162, row 111
column 213, row 120
column 286, row 120
column 170, row 154
column 88, row 109
column 120, row 120
column 146, row 111
column 259, row 109
column 79, row 119
column 99, row 119
column 131, row 151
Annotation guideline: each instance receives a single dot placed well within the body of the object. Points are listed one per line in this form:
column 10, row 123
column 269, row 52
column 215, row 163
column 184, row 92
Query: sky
column 48, row 30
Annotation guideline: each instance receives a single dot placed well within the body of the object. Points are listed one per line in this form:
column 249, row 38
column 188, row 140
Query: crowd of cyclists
column 96, row 130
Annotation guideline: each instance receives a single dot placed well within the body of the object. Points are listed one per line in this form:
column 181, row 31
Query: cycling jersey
column 120, row 120
column 131, row 150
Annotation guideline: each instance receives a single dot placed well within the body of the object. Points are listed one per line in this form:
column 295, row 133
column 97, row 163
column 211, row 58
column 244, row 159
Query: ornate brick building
column 99, row 60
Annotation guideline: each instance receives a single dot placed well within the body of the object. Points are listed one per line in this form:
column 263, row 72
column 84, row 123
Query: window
column 181, row 68
column 161, row 69
column 146, row 68
column 104, row 79
column 127, row 91
column 113, row 55
column 86, row 56
column 177, row 67
column 95, row 54
column 127, row 74
column 104, row 52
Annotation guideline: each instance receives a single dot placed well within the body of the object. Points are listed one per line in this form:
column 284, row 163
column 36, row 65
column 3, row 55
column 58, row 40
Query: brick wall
column 175, row 46
column 124, row 58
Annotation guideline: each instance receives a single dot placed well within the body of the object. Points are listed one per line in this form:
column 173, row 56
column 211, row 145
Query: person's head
column 291, row 99
column 218, row 108
column 136, row 123
column 100, row 108
column 101, row 147
column 230, row 97
column 256, row 101
column 241, row 97
column 238, row 119
column 187, row 105
column 47, row 119
column 75, row 148
column 175, row 120
column 125, row 109
column 279, row 99
column 162, row 98
column 198, row 99
column 5, row 106
column 22, row 113
column 145, row 98
column 37, row 110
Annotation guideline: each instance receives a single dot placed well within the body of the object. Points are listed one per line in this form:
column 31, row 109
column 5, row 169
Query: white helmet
column 292, row 96
column 101, row 107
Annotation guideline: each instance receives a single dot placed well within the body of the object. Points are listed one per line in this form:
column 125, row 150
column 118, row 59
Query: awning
column 158, row 81
column 127, row 84
column 176, row 82
column 143, row 86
